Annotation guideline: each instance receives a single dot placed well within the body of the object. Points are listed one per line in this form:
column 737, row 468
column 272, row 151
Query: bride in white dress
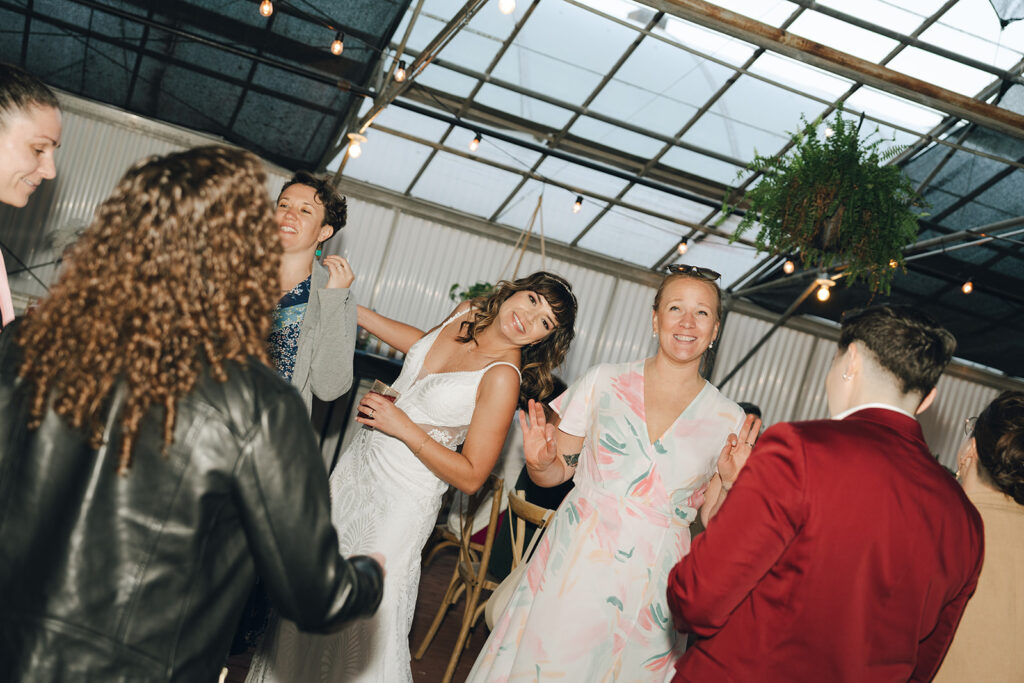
column 459, row 386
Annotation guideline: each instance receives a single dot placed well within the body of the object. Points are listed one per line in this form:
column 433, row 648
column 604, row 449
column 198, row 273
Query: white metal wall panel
column 363, row 242
column 775, row 375
column 626, row 328
column 955, row 399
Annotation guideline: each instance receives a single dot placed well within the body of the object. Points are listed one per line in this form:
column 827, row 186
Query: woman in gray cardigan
column 313, row 339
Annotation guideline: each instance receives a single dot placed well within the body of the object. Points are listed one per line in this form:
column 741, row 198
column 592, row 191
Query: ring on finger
column 749, row 443
column 371, row 412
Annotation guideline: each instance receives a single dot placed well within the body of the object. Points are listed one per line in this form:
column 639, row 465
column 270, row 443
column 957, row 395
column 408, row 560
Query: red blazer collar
column 898, row 422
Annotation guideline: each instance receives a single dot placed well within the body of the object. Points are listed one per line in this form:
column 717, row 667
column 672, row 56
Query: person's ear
column 926, row 402
column 326, row 230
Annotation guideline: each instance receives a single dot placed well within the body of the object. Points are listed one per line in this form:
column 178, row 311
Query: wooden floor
column 431, row 668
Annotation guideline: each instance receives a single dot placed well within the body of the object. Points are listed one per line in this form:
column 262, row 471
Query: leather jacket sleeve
column 285, row 509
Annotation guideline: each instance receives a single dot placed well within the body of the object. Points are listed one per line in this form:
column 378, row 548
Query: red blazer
column 843, row 553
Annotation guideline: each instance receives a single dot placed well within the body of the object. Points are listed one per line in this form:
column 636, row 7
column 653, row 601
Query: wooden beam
column 842, row 64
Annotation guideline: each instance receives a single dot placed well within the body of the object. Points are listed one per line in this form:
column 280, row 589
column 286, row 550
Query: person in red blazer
column 843, row 551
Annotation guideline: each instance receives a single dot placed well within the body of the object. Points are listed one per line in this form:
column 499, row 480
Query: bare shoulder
column 500, row 379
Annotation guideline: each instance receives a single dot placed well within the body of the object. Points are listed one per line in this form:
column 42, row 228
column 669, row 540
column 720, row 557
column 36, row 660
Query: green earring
column 319, row 251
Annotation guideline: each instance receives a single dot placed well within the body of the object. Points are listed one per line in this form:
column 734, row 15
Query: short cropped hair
column 999, row 441
column 750, row 408
column 908, row 343
column 20, row 91
column 335, row 206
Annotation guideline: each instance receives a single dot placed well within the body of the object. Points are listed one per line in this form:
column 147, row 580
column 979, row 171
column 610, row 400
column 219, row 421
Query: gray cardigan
column 327, row 341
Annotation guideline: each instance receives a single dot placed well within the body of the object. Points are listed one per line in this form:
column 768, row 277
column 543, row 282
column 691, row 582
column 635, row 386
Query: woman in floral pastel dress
column 646, row 442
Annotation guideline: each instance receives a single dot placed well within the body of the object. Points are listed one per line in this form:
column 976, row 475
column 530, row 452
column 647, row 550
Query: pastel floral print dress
column 591, row 605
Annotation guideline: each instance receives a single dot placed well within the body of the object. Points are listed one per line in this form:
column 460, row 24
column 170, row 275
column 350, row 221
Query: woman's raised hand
column 538, row 437
column 340, row 272
column 737, row 449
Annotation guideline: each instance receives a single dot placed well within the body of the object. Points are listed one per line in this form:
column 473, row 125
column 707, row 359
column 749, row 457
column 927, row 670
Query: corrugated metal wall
column 405, row 265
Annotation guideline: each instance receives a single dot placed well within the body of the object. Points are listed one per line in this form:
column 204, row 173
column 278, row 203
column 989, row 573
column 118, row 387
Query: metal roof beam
column 842, row 64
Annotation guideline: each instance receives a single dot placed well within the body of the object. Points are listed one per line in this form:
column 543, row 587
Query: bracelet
column 725, row 486
column 426, row 438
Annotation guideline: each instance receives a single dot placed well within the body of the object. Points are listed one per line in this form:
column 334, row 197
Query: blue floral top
column 284, row 337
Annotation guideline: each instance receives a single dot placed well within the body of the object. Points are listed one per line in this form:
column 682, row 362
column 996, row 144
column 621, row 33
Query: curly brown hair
column 542, row 357
column 176, row 275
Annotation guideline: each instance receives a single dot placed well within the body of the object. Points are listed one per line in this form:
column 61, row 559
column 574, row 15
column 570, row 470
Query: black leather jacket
column 143, row 577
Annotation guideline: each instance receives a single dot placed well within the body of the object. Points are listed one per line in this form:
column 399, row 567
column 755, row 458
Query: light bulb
column 355, row 144
column 893, row 263
column 683, row 247
column 506, row 6
column 474, row 144
column 266, row 8
column 578, row 204
column 338, row 46
column 968, row 287
column 829, row 132
column 824, row 293
column 400, row 72
column 788, row 267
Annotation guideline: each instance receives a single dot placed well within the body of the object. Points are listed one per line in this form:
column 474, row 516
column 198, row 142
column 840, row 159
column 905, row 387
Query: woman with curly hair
column 459, row 386
column 986, row 646
column 149, row 460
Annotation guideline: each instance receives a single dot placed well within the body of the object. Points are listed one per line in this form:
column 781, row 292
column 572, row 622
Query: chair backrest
column 526, row 512
column 473, row 558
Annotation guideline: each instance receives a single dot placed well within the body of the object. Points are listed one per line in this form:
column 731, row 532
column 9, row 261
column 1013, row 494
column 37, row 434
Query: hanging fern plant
column 832, row 200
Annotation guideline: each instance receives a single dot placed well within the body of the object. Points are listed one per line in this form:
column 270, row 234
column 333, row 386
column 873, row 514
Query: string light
column 400, row 71
column 338, row 46
column 683, row 247
column 578, row 204
column 825, row 285
column 266, row 8
column 968, row 287
column 506, row 6
column 355, row 144
column 829, row 132
column 893, row 263
column 788, row 267
column 474, row 144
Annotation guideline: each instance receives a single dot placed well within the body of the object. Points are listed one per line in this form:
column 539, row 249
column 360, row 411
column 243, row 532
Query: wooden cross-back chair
column 470, row 574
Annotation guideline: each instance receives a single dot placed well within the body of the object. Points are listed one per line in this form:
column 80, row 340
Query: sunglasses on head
column 697, row 271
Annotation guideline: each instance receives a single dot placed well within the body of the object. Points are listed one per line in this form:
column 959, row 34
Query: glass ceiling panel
column 471, row 47
column 944, row 72
column 497, row 150
column 549, row 53
column 668, row 204
column 581, row 177
column 884, row 13
column 465, row 185
column 772, row 12
column 522, row 106
column 615, row 137
column 842, row 36
column 642, row 108
column 705, row 41
column 560, row 223
column 894, row 109
column 716, row 253
column 701, row 165
column 632, row 236
column 446, row 80
column 971, row 28
column 428, row 24
column 387, row 161
column 410, row 122
column 801, row 76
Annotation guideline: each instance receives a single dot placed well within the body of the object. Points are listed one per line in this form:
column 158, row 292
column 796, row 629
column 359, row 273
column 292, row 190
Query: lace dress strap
column 502, row 362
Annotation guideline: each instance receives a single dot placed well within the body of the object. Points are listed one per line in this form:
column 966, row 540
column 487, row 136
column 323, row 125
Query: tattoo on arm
column 571, row 459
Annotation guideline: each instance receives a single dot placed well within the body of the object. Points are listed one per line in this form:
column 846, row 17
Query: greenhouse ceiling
column 646, row 111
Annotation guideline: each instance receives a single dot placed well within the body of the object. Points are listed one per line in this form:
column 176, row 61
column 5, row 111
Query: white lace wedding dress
column 384, row 500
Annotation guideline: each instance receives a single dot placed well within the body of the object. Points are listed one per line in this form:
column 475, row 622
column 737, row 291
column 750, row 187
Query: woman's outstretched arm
column 394, row 333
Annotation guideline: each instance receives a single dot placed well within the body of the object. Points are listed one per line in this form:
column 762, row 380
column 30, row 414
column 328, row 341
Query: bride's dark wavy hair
column 176, row 274
column 540, row 358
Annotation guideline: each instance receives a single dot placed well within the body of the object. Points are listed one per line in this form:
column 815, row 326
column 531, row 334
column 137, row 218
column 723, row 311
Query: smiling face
column 686, row 320
column 28, row 140
column 526, row 317
column 300, row 219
